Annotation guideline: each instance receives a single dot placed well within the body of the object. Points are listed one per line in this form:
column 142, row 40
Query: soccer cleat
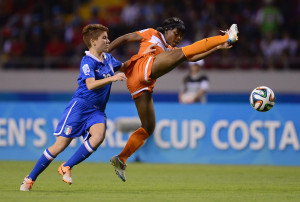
column 119, row 167
column 66, row 173
column 232, row 33
column 26, row 184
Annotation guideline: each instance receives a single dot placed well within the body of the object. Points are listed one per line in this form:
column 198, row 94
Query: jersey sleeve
column 204, row 85
column 87, row 69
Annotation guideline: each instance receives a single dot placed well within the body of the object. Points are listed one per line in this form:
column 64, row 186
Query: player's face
column 173, row 37
column 102, row 43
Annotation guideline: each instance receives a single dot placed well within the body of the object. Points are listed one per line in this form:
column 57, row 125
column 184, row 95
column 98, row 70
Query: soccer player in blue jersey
column 85, row 114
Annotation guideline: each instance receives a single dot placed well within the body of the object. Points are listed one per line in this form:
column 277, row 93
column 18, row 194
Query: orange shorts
column 138, row 74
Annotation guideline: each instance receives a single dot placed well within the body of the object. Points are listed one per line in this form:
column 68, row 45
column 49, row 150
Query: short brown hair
column 92, row 31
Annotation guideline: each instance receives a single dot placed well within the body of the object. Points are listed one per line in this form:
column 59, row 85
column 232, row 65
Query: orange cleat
column 66, row 173
column 26, row 184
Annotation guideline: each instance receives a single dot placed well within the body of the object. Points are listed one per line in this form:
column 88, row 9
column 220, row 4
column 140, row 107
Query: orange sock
column 203, row 45
column 135, row 141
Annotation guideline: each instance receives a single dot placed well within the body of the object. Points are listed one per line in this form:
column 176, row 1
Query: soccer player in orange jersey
column 143, row 70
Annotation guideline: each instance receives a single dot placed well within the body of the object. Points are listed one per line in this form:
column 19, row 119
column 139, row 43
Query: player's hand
column 150, row 49
column 224, row 46
column 119, row 77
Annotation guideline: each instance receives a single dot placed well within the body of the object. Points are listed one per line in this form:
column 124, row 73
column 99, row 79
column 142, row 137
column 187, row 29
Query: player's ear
column 92, row 41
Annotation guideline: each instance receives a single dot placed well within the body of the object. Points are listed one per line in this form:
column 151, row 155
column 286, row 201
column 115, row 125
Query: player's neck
column 100, row 56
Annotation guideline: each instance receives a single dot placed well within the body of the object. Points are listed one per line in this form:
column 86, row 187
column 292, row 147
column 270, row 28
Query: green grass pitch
column 153, row 182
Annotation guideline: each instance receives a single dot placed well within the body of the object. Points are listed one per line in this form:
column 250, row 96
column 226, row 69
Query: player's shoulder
column 88, row 62
column 87, row 59
column 148, row 31
column 202, row 78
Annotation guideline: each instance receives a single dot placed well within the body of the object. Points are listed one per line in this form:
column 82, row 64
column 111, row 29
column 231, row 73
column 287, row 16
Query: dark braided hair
column 172, row 23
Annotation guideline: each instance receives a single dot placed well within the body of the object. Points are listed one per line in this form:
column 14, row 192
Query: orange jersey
column 139, row 67
column 151, row 36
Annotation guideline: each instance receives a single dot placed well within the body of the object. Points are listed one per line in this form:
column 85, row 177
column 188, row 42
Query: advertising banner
column 229, row 133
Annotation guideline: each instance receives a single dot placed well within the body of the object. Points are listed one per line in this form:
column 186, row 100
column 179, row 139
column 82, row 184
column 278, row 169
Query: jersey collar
column 88, row 53
column 163, row 38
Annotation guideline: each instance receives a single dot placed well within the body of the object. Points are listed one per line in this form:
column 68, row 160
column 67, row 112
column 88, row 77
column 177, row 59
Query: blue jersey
column 88, row 106
column 93, row 67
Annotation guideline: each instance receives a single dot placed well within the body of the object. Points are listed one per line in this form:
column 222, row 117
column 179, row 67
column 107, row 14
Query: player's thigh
column 165, row 62
column 97, row 132
column 145, row 108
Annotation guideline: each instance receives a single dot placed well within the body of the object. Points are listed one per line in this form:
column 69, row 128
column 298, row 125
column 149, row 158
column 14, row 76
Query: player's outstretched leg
column 26, row 184
column 211, row 42
column 65, row 172
column 119, row 167
column 167, row 61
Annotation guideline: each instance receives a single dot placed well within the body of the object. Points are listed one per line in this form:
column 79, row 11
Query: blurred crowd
column 37, row 34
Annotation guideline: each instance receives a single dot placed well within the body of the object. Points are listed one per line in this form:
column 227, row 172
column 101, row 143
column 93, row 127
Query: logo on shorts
column 67, row 130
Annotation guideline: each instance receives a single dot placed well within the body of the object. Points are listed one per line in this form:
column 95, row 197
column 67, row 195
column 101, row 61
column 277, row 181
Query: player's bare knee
column 149, row 128
column 56, row 149
column 97, row 139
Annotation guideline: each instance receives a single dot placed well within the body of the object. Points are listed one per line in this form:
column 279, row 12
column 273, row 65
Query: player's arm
column 200, row 93
column 207, row 53
column 180, row 95
column 93, row 84
column 182, row 90
column 131, row 37
column 123, row 67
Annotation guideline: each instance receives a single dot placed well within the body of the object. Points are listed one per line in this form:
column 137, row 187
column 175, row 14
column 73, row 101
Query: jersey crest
column 86, row 69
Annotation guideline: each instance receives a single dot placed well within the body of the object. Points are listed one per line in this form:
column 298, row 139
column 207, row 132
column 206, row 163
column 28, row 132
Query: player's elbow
column 90, row 87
